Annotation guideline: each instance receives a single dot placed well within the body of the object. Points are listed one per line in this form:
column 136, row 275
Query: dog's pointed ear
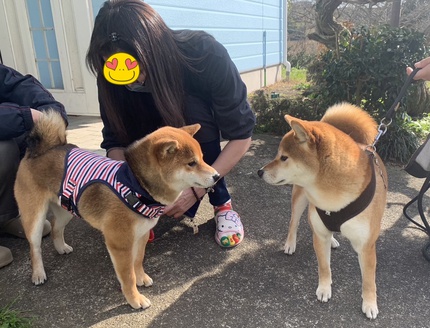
column 165, row 147
column 300, row 131
column 191, row 129
column 288, row 119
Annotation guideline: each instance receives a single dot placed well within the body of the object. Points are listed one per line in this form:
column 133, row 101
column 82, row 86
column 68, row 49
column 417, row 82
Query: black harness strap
column 333, row 220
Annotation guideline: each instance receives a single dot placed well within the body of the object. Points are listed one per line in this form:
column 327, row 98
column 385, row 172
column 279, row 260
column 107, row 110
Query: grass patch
column 298, row 75
column 420, row 127
column 10, row 318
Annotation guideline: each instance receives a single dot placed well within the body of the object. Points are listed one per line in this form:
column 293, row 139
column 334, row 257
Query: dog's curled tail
column 48, row 132
column 352, row 120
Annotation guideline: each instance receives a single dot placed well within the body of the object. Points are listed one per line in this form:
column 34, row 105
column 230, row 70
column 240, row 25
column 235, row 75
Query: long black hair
column 134, row 27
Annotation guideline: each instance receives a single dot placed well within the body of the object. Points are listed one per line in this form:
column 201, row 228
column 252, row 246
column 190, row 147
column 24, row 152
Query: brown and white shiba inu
column 345, row 184
column 159, row 166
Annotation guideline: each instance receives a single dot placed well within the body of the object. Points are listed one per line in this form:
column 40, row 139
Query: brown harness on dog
column 333, row 220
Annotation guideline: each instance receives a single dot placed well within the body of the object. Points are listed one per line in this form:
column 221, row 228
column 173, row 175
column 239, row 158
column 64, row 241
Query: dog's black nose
column 216, row 177
column 260, row 173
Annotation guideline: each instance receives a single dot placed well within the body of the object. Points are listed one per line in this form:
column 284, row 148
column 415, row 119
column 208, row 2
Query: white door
column 49, row 39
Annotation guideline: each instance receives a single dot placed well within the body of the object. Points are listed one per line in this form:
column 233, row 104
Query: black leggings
column 9, row 162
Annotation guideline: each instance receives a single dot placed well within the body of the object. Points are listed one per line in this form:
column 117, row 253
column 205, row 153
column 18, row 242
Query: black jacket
column 18, row 94
column 216, row 97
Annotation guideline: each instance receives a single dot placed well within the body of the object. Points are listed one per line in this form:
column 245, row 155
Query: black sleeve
column 18, row 94
column 232, row 112
column 109, row 138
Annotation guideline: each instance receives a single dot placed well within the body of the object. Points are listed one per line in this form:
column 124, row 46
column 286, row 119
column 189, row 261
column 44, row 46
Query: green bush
column 402, row 138
column 398, row 143
column 368, row 69
column 270, row 112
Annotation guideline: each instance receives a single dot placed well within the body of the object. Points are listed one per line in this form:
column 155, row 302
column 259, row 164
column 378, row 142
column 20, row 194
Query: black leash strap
column 386, row 121
column 402, row 92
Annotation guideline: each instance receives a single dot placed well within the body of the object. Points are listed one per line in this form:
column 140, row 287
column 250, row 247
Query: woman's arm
column 424, row 72
column 116, row 153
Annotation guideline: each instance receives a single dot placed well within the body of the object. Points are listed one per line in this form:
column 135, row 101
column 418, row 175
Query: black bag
column 419, row 164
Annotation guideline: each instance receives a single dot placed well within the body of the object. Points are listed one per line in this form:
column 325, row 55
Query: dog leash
column 388, row 119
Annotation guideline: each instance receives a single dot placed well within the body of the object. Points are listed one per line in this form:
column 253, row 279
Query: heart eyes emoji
column 130, row 64
column 121, row 69
column 112, row 64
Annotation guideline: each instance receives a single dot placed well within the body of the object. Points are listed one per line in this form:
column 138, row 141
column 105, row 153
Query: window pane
column 34, row 13
column 45, row 43
column 52, row 44
column 39, row 44
column 45, row 77
column 47, row 13
column 56, row 72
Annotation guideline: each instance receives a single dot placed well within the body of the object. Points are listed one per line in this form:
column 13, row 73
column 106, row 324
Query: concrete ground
column 198, row 284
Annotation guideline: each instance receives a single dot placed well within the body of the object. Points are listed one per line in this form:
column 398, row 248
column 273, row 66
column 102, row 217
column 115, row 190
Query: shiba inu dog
column 121, row 199
column 335, row 169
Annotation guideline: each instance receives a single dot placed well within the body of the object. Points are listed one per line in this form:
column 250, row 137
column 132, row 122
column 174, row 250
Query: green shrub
column 398, row 143
column 368, row 69
column 270, row 112
column 402, row 138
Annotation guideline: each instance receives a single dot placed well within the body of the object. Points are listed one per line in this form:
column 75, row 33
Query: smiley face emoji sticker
column 121, row 68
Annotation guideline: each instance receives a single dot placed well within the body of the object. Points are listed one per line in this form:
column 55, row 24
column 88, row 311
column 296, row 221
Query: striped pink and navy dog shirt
column 84, row 168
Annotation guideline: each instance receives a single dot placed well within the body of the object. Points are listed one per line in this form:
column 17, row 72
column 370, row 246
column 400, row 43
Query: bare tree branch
column 326, row 29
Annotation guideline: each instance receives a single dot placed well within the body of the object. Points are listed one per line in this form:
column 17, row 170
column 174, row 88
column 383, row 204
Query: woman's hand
column 184, row 202
column 424, row 72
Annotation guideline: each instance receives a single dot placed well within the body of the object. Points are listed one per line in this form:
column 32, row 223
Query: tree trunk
column 327, row 29
column 395, row 13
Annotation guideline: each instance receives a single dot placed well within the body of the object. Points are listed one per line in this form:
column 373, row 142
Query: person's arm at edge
column 22, row 96
column 424, row 72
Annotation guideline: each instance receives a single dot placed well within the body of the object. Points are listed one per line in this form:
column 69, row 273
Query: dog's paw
column 140, row 302
column 63, row 248
column 370, row 309
column 289, row 248
column 144, row 280
column 323, row 293
column 290, row 244
column 334, row 243
column 38, row 278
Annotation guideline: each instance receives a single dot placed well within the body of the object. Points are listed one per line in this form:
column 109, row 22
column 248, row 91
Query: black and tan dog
column 344, row 183
column 122, row 199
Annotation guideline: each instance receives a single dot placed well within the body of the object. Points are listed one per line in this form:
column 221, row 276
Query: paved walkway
column 197, row 284
column 85, row 131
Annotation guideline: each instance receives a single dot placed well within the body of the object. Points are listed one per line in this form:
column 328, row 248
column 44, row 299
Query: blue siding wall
column 241, row 26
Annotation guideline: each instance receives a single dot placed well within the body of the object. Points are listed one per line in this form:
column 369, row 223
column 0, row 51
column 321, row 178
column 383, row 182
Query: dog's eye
column 193, row 163
column 283, row 158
